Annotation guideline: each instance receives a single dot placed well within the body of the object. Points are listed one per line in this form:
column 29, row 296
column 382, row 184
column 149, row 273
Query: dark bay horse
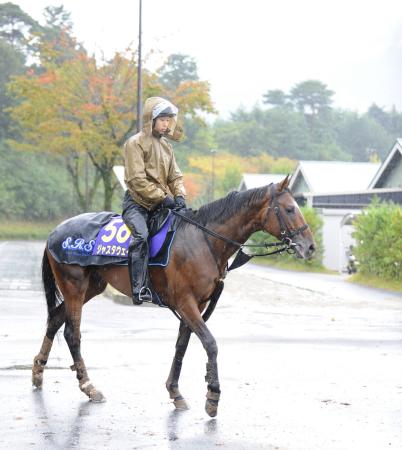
column 197, row 265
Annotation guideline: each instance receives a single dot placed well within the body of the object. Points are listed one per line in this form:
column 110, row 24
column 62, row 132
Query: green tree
column 33, row 187
column 11, row 63
column 274, row 98
column 176, row 69
column 311, row 97
column 362, row 136
column 16, row 26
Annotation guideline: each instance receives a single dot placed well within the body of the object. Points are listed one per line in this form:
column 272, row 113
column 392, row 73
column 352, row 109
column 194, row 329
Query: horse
column 197, row 266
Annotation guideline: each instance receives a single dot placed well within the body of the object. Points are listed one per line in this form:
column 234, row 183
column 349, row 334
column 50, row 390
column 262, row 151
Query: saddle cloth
column 103, row 238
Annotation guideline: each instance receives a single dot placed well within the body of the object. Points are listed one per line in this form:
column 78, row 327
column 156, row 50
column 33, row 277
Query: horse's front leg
column 172, row 383
column 193, row 319
column 214, row 392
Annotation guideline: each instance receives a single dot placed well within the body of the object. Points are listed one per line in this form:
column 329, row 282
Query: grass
column 26, row 230
column 376, row 282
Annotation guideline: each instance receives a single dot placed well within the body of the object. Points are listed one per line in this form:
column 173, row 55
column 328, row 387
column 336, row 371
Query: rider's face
column 161, row 124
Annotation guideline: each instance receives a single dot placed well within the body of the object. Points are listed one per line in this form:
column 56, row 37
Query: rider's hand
column 180, row 202
column 168, row 202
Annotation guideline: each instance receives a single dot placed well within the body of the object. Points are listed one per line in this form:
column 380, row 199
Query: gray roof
column 255, row 180
column 119, row 172
column 395, row 152
column 335, row 176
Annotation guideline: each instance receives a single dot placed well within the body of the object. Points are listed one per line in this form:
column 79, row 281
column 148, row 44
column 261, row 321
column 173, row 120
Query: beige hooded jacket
column 150, row 169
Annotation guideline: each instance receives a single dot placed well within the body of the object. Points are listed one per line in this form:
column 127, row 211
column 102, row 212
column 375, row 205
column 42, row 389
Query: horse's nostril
column 311, row 249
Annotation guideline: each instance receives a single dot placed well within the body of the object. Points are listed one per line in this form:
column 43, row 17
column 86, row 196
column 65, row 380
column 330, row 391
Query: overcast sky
column 244, row 48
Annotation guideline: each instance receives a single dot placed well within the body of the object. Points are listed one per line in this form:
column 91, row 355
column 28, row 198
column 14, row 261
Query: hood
column 151, row 103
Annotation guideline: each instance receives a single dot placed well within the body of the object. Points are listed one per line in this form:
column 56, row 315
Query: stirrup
column 145, row 294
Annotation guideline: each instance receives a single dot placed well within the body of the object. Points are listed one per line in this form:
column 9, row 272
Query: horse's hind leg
column 41, row 358
column 78, row 289
column 172, row 383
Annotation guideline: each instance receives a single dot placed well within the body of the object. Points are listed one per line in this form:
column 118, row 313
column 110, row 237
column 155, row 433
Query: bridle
column 286, row 233
column 285, row 244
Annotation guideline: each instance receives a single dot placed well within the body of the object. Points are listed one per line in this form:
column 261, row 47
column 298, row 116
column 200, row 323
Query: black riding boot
column 138, row 269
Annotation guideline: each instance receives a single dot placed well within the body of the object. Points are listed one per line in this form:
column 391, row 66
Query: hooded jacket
column 150, row 168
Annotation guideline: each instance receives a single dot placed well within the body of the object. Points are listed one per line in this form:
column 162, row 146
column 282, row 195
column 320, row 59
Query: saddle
column 102, row 238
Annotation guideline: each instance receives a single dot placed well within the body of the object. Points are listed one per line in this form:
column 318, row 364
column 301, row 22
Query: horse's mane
column 219, row 211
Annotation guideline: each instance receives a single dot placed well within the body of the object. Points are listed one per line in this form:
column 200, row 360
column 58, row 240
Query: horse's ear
column 284, row 184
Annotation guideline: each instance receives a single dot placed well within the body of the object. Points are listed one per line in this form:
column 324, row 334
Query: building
column 254, row 180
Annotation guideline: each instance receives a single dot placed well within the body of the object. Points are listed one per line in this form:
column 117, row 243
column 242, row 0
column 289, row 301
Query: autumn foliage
column 76, row 106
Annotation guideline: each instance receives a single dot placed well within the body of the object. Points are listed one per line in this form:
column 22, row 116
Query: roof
column 119, row 172
column 391, row 160
column 334, row 176
column 255, row 180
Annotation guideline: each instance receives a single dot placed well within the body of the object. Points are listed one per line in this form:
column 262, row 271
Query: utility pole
column 86, row 182
column 139, row 72
column 213, row 153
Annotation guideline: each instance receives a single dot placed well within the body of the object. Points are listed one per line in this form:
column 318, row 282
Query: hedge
column 378, row 234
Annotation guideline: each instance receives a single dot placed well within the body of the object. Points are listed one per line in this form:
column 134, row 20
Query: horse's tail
column 52, row 293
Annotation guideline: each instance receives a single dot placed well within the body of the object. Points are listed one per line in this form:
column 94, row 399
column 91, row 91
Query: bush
column 315, row 223
column 379, row 240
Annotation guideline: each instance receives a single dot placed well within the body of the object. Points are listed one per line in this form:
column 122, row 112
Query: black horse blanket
column 103, row 238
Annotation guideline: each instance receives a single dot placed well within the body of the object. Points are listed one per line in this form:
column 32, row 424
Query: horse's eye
column 290, row 209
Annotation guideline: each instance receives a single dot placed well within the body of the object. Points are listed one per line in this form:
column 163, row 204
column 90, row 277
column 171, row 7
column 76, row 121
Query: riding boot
column 138, row 266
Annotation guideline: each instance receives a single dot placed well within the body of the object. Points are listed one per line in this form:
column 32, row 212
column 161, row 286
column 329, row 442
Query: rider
column 152, row 178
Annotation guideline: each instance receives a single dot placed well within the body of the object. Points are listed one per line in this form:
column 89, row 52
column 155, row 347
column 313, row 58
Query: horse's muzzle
column 304, row 249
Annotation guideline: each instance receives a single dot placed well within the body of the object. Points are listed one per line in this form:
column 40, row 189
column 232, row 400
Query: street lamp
column 139, row 72
column 213, row 153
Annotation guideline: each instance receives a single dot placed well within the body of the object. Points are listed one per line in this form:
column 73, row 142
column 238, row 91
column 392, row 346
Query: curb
column 116, row 296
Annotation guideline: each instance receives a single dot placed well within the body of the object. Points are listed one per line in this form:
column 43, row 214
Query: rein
column 241, row 258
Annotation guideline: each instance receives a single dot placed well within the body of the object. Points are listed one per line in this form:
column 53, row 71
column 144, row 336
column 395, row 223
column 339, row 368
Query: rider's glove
column 180, row 202
column 168, row 202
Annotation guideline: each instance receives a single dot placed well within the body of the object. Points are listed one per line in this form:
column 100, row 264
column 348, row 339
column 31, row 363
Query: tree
column 379, row 115
column 311, row 97
column 33, row 187
column 274, row 98
column 16, row 26
column 362, row 136
column 77, row 107
column 11, row 63
column 178, row 68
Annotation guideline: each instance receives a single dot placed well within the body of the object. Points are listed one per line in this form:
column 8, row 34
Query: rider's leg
column 135, row 217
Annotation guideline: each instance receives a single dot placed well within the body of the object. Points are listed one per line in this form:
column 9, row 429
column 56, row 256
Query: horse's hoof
column 97, row 396
column 180, row 404
column 37, row 381
column 211, row 407
column 37, row 375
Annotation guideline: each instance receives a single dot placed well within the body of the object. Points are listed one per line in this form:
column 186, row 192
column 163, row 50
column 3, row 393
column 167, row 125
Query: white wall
column 336, row 237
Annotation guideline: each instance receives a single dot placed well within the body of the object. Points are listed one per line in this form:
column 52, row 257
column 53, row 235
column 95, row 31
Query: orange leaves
column 191, row 97
column 193, row 185
column 47, row 78
column 91, row 107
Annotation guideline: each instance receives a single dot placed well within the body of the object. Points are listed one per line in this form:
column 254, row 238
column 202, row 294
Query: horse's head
column 283, row 219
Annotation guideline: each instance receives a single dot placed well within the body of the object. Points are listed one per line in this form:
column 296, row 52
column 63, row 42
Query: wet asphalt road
column 305, row 364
